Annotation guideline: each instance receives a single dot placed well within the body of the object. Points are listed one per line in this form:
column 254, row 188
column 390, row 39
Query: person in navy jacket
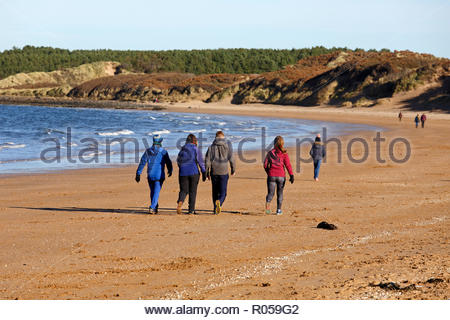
column 189, row 161
column 156, row 158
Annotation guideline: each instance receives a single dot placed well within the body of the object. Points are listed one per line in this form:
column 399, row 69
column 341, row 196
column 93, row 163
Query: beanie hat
column 157, row 139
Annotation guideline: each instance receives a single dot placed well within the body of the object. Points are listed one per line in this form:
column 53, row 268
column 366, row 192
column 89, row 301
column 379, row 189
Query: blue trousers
column 317, row 168
column 219, row 188
column 155, row 189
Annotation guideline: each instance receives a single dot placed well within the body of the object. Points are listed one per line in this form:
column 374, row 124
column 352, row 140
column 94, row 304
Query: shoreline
column 290, row 112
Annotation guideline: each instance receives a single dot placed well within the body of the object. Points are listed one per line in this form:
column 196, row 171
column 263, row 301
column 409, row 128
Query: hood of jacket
column 153, row 150
column 220, row 142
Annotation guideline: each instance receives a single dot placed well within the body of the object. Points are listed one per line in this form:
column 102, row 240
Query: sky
column 417, row 25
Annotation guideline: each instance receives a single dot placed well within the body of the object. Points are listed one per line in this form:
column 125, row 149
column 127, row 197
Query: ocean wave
column 165, row 131
column 11, row 145
column 50, row 131
column 153, row 118
column 91, row 154
column 115, row 133
column 222, row 123
column 195, row 131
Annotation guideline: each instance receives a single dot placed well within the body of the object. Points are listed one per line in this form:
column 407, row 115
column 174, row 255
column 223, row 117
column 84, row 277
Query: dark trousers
column 275, row 183
column 219, row 188
column 317, row 168
column 188, row 185
column 423, row 124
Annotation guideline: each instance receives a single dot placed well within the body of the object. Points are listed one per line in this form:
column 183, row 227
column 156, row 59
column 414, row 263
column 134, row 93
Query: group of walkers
column 216, row 167
column 417, row 119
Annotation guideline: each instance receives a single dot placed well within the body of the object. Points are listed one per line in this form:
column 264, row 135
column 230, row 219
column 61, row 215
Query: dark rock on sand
column 393, row 286
column 327, row 226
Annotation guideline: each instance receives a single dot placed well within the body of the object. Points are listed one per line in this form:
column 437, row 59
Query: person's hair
column 278, row 143
column 191, row 138
column 220, row 134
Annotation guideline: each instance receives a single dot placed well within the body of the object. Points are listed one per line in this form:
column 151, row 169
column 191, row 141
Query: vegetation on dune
column 357, row 77
column 55, row 83
column 32, row 59
column 321, row 76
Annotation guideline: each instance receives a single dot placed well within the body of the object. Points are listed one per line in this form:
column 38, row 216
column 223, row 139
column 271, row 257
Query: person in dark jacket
column 189, row 160
column 275, row 163
column 317, row 152
column 416, row 120
column 217, row 157
column 400, row 116
column 156, row 158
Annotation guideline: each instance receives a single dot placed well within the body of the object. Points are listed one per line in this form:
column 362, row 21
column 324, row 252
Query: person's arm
column 168, row 163
column 287, row 164
column 200, row 161
column 311, row 153
column 142, row 163
column 208, row 162
column 266, row 163
column 141, row 166
column 232, row 162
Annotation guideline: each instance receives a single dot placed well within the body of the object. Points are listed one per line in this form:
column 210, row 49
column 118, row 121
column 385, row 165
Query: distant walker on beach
column 317, row 153
column 423, row 118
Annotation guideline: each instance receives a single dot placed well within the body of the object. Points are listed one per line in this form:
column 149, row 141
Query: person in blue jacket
column 156, row 158
column 189, row 160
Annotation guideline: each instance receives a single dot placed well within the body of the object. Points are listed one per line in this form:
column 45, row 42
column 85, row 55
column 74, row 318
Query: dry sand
column 85, row 234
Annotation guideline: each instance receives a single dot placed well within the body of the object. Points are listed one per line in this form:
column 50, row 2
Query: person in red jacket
column 275, row 163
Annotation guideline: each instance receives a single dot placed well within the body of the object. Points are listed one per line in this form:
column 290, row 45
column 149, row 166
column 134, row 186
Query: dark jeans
column 278, row 184
column 188, row 185
column 219, row 188
column 317, row 168
column 423, row 124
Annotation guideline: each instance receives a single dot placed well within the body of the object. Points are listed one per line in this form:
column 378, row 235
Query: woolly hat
column 157, row 139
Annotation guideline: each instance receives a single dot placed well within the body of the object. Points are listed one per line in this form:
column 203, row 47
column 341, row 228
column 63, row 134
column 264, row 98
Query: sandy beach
column 85, row 234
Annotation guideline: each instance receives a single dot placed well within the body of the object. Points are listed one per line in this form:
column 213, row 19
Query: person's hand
column 233, row 172
column 137, row 178
column 203, row 176
column 291, row 179
column 169, row 174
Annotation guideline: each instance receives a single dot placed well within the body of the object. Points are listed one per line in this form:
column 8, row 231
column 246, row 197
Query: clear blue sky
column 418, row 25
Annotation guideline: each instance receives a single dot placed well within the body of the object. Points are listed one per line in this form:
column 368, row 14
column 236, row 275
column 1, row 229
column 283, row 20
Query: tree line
column 30, row 59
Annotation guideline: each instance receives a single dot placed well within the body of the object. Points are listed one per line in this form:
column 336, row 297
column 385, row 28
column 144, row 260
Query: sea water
column 39, row 139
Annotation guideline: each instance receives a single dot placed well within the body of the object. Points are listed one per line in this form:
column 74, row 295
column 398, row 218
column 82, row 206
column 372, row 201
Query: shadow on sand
column 128, row 210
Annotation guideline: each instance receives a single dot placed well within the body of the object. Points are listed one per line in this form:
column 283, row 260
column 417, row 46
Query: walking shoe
column 268, row 208
column 152, row 211
column 279, row 212
column 218, row 208
column 179, row 206
column 192, row 212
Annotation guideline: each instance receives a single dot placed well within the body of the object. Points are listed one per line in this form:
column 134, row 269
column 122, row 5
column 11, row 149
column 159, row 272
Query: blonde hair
column 278, row 143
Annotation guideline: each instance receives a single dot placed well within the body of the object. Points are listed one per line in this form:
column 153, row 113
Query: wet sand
column 85, row 234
